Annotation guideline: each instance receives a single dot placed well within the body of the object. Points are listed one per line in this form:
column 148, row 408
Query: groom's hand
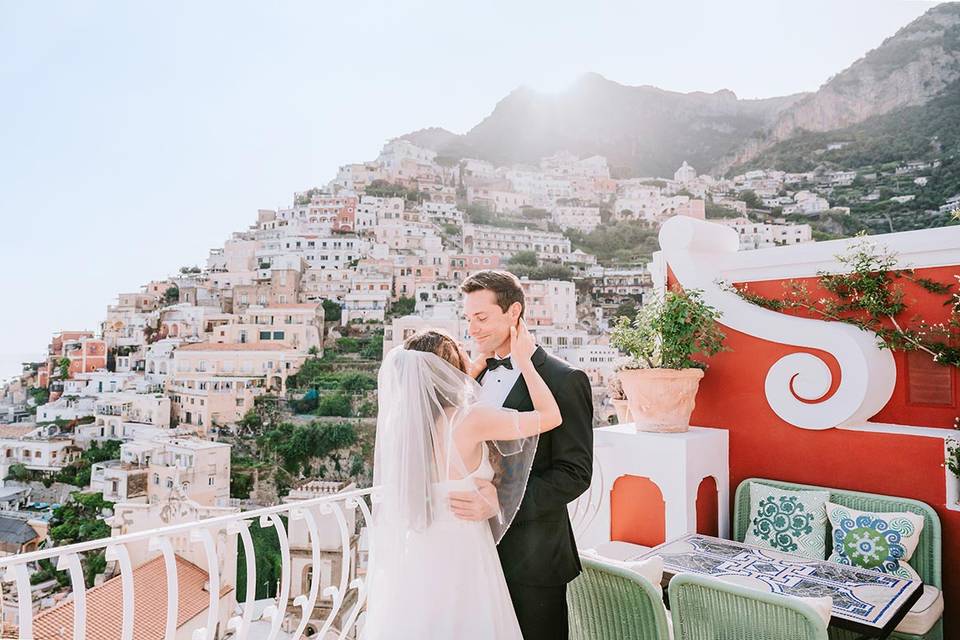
column 481, row 504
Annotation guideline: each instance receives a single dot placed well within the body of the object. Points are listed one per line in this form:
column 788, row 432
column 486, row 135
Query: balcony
column 186, row 585
column 797, row 398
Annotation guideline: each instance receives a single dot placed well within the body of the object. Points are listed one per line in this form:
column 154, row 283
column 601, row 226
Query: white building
column 685, row 174
column 442, row 213
column 365, row 306
column 584, row 219
column 498, row 200
column 506, row 242
column 27, row 446
column 758, row 235
column 444, row 316
column 807, row 202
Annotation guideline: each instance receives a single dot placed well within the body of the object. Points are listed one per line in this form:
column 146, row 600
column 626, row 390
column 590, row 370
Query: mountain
column 921, row 61
column 641, row 130
column 648, row 131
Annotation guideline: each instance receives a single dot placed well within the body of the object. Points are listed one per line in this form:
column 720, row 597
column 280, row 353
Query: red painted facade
column 731, row 397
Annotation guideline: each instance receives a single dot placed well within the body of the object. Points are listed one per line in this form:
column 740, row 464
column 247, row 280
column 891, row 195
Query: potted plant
column 619, row 400
column 662, row 377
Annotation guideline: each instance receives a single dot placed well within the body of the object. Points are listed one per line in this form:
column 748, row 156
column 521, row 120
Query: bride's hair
column 438, row 343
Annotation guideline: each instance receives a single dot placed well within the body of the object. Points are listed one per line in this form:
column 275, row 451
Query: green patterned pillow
column 882, row 541
column 788, row 521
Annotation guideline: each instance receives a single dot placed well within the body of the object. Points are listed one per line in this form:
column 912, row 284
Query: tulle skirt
column 448, row 585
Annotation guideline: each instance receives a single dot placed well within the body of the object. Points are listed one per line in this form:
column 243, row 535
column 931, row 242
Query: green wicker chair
column 705, row 608
column 926, row 559
column 608, row 602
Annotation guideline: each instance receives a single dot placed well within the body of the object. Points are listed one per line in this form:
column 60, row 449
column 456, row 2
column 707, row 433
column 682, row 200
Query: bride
column 432, row 575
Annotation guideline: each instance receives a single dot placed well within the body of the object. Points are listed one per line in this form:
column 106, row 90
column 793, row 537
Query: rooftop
column 15, row 531
column 105, row 613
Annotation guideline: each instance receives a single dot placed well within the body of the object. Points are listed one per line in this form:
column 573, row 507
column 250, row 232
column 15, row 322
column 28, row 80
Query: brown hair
column 504, row 285
column 439, row 343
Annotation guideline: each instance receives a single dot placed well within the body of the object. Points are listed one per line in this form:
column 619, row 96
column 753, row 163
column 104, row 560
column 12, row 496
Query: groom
column 538, row 552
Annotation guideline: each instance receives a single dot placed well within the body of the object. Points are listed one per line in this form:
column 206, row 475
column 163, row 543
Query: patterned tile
column 859, row 595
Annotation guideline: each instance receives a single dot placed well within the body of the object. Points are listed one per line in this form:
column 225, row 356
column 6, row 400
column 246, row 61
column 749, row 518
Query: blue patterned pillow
column 882, row 541
column 788, row 521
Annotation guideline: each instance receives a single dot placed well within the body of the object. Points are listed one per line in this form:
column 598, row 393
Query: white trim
column 921, row 248
column 697, row 252
column 903, row 430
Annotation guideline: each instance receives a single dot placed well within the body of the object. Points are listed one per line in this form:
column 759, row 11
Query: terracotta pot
column 623, row 411
column 661, row 400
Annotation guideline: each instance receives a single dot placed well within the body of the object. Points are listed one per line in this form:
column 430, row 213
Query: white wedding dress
column 450, row 586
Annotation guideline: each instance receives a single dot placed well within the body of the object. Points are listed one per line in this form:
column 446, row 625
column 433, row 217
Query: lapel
column 519, row 396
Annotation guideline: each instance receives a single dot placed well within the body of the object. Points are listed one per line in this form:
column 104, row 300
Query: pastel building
column 549, row 303
column 215, row 384
column 505, row 242
column 298, row 326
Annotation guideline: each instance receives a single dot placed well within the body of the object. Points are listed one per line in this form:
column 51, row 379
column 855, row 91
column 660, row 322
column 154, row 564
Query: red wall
column 761, row 444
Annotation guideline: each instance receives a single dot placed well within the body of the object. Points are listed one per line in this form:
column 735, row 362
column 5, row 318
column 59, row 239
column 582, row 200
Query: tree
column 523, row 258
column 79, row 520
column 64, row 366
column 171, row 295
column 403, row 307
column 548, row 271
column 752, row 199
column 331, row 310
column 533, row 213
column 348, row 345
column 623, row 242
column 334, row 404
column 628, row 308
column 19, row 472
column 241, row 483
column 268, row 560
column 307, row 404
column 357, row 381
column 373, row 350
column 479, row 214
column 385, row 189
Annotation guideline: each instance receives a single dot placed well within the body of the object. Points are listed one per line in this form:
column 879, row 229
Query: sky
column 136, row 136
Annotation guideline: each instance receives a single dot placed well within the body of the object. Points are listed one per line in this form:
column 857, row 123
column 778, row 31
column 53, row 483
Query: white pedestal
column 675, row 462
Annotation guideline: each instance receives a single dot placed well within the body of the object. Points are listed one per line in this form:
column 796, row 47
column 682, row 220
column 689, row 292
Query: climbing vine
column 868, row 293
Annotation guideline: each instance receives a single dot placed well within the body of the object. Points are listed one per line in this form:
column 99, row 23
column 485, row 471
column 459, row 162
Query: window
column 264, row 335
column 278, row 335
column 169, row 483
column 211, row 481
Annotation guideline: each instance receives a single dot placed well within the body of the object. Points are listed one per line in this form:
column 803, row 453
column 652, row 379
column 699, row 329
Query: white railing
column 334, row 508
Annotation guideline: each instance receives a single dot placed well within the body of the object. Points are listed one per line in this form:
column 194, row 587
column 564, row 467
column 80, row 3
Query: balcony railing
column 345, row 606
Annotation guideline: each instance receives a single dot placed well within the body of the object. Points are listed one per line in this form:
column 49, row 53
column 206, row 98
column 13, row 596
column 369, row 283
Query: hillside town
column 177, row 406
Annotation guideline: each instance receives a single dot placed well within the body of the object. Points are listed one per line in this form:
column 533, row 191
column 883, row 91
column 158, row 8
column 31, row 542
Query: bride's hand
column 474, row 367
column 522, row 345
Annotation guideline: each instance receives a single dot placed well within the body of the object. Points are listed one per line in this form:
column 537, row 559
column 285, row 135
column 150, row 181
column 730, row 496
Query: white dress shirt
column 497, row 384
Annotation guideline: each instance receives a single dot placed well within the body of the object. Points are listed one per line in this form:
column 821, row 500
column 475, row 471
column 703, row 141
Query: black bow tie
column 493, row 363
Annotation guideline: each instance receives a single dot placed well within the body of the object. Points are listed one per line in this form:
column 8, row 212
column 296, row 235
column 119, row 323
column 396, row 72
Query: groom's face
column 489, row 325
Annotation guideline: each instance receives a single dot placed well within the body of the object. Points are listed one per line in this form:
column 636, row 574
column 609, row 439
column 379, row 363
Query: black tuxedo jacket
column 538, row 548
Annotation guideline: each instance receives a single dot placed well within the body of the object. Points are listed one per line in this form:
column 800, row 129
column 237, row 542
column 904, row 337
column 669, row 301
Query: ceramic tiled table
column 864, row 601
